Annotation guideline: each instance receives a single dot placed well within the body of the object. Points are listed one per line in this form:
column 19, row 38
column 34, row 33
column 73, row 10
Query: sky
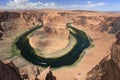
column 95, row 5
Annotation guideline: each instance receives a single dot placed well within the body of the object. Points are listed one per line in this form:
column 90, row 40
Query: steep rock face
column 14, row 21
column 97, row 23
column 55, row 24
column 115, row 25
column 53, row 33
column 35, row 73
column 105, row 70
column 1, row 34
column 20, row 20
column 30, row 72
column 46, row 75
column 115, row 51
column 8, row 71
column 109, row 67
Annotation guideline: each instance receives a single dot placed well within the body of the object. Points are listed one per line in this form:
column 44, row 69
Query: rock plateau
column 101, row 62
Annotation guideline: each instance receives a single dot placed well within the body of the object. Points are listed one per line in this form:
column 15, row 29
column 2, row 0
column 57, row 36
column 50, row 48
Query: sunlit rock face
column 109, row 67
column 14, row 21
column 55, row 24
column 55, row 34
column 8, row 71
column 35, row 73
column 11, row 21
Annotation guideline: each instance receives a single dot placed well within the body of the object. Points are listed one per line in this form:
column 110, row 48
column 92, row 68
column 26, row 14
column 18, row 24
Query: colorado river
column 68, row 59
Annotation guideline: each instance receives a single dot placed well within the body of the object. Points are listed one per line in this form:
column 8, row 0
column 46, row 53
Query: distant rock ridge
column 11, row 21
column 109, row 67
column 14, row 21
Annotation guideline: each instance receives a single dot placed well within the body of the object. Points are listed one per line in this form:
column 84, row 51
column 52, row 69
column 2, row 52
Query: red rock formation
column 8, row 71
column 115, row 25
column 20, row 20
column 35, row 73
column 55, row 24
column 109, row 67
column 115, row 51
column 17, row 20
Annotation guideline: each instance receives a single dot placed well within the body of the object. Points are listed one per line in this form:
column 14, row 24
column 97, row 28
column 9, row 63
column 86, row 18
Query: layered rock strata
column 109, row 67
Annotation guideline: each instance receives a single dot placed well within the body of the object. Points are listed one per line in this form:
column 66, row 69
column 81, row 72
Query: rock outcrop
column 11, row 21
column 18, row 20
column 46, row 75
column 115, row 51
column 97, row 23
column 115, row 25
column 35, row 73
column 8, row 71
column 55, row 26
column 54, row 33
column 109, row 67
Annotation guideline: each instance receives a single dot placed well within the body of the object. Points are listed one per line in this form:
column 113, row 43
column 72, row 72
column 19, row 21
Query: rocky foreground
column 109, row 67
column 8, row 71
column 102, row 62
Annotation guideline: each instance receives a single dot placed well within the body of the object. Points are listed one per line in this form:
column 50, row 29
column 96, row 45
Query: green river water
column 68, row 59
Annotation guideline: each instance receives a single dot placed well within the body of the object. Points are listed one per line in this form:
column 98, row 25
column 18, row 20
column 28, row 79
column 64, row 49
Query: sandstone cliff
column 35, row 73
column 115, row 25
column 8, row 71
column 18, row 21
column 11, row 21
column 109, row 67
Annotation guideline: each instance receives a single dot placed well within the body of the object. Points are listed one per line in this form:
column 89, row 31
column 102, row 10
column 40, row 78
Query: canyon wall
column 14, row 21
column 8, row 71
column 11, row 21
column 109, row 67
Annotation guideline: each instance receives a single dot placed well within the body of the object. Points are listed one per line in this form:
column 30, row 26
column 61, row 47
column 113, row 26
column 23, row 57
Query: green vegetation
column 15, row 51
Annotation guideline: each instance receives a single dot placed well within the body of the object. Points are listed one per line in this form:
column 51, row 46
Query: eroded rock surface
column 18, row 20
column 115, row 25
column 54, row 33
column 95, row 23
column 109, row 67
column 115, row 51
column 8, row 71
column 35, row 73
column 11, row 21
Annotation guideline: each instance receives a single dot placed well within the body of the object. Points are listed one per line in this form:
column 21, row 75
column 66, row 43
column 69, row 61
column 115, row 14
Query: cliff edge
column 109, row 67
